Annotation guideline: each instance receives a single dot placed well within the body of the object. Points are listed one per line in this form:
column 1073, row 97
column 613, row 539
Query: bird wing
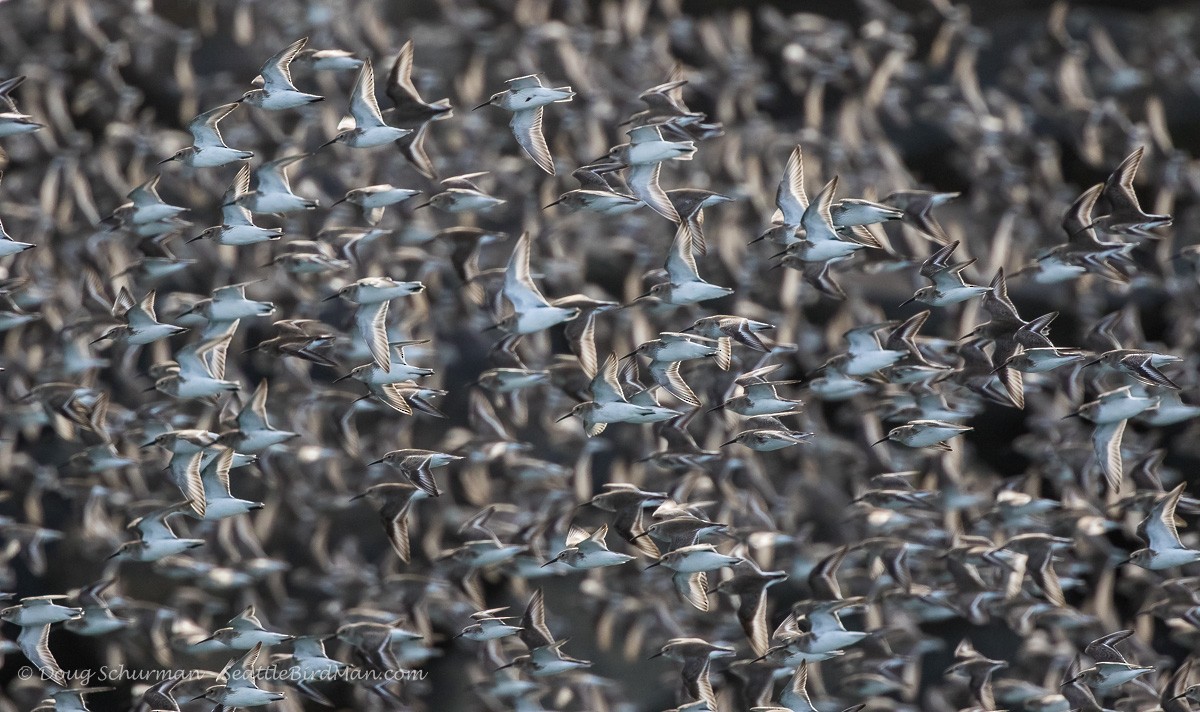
column 605, row 385
column 220, row 469
column 364, row 107
column 1077, row 221
column 253, row 415
column 142, row 315
column 534, row 631
column 394, row 514
column 790, row 197
column 938, row 261
column 393, row 396
column 232, row 213
column 817, row 219
column 1161, row 532
column 35, row 644
column 6, row 88
column 692, row 588
column 669, row 377
column 400, row 86
column 529, row 81
column 1118, row 189
column 212, row 353
column 823, row 579
column 799, row 684
column 276, row 73
column 595, row 541
column 371, row 320
column 204, row 127
column 645, row 134
column 997, row 303
column 146, row 193
column 643, row 182
column 1106, row 442
column 519, row 288
column 752, row 614
column 527, row 128
column 681, row 261
column 193, row 484
column 271, row 176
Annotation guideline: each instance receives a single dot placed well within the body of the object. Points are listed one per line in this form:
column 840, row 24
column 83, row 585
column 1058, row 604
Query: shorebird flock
column 732, row 361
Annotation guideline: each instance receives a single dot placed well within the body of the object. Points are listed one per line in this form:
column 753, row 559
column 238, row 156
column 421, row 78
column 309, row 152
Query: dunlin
column 369, row 129
column 277, row 91
column 237, row 223
column 526, row 98
column 208, row 149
